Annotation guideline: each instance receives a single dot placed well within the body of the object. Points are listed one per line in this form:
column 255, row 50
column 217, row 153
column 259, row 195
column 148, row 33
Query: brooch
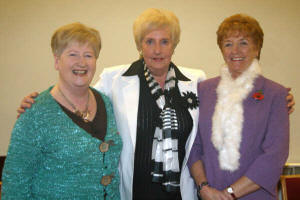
column 190, row 100
column 258, row 95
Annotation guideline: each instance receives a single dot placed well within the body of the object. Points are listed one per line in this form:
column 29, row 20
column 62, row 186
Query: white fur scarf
column 227, row 121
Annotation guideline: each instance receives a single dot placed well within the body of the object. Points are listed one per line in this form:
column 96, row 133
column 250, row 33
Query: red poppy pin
column 258, row 95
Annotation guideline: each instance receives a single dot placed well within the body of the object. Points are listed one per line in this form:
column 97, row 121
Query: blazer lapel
column 130, row 94
column 191, row 86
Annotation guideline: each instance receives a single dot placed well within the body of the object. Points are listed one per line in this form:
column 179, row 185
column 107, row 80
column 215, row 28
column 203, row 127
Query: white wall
column 26, row 27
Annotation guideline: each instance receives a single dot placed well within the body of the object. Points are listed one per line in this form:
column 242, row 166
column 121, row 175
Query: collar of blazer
column 129, row 95
column 137, row 67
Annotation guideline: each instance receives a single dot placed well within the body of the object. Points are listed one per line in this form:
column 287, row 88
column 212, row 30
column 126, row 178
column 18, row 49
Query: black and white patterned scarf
column 165, row 162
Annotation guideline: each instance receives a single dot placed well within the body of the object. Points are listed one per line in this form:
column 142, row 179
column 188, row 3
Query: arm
column 267, row 167
column 26, row 103
column 243, row 186
column 197, row 171
column 103, row 85
column 291, row 101
column 207, row 192
column 22, row 160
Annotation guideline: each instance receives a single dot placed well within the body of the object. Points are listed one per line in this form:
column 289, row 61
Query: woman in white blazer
column 146, row 170
column 124, row 94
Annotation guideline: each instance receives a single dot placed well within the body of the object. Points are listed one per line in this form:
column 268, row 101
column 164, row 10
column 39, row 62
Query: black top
column 147, row 120
column 97, row 127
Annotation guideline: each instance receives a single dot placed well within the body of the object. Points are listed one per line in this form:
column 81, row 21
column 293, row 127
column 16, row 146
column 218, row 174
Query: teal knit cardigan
column 50, row 157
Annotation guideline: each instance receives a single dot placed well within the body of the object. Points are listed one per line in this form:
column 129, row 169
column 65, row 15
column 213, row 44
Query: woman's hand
column 291, row 101
column 206, row 192
column 209, row 193
column 26, row 103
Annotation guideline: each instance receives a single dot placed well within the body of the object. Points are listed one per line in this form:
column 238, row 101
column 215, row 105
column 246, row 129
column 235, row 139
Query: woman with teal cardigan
column 67, row 146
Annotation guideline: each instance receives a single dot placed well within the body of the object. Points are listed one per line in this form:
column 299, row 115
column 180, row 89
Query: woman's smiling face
column 76, row 65
column 238, row 52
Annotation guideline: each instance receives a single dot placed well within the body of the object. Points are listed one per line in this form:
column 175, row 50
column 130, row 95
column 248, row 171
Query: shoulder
column 193, row 74
column 43, row 101
column 44, row 104
column 209, row 83
column 110, row 77
column 272, row 87
column 104, row 97
column 114, row 71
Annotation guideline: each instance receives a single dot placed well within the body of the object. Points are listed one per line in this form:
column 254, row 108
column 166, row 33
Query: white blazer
column 124, row 94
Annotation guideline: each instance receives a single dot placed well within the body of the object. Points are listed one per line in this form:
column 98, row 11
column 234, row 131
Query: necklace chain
column 83, row 114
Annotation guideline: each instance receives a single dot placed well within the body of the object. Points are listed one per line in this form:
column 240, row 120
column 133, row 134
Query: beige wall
column 27, row 25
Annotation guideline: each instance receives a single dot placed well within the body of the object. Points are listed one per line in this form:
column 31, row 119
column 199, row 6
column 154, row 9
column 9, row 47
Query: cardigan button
column 106, row 180
column 104, row 146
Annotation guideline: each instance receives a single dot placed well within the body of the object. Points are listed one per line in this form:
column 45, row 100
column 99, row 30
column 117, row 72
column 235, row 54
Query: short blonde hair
column 242, row 24
column 152, row 19
column 75, row 32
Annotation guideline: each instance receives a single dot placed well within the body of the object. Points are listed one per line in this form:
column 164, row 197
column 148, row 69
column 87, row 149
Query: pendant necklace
column 83, row 114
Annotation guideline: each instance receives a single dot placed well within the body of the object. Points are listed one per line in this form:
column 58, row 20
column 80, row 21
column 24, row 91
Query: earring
column 141, row 54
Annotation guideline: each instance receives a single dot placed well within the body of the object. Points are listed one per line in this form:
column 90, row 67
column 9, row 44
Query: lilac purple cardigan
column 265, row 138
